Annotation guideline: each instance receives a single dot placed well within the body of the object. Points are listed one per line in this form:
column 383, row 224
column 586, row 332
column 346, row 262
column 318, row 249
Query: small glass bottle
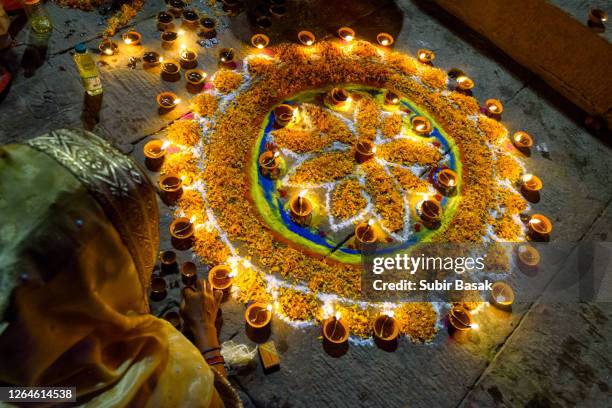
column 87, row 70
column 40, row 22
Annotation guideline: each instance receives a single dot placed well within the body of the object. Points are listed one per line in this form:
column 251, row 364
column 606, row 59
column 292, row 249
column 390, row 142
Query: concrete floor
column 542, row 354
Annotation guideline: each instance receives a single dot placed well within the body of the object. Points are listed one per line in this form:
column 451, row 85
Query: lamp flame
column 269, row 308
column 338, row 315
column 302, row 193
column 165, row 145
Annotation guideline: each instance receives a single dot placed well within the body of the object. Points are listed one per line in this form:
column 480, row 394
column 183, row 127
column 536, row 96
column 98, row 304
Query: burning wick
column 388, row 316
column 336, row 319
column 272, row 159
column 300, row 199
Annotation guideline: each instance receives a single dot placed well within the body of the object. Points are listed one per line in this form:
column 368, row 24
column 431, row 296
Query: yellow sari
column 73, row 295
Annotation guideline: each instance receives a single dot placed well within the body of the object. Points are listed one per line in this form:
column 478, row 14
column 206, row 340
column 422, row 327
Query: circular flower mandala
column 242, row 214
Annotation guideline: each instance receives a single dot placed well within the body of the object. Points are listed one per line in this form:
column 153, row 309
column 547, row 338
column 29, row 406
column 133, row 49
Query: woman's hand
column 199, row 308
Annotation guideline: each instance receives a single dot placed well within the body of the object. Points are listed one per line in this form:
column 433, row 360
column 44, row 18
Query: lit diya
column 365, row 234
column 168, row 39
column 260, row 41
column 493, row 108
column 189, row 273
column 531, row 184
column 155, row 152
column 528, row 258
column 190, row 17
column 195, row 78
column 167, row 100
column 385, row 39
column 182, row 231
column 421, row 125
column 158, row 289
column 226, row 56
column 175, row 7
column 171, row 187
column 170, row 70
column 300, row 209
column 346, row 34
column 597, row 17
column 426, row 56
column 207, row 27
column 108, row 47
column 270, row 164
column 391, row 98
column 131, row 37
column 386, row 328
column 430, row 211
column 258, row 315
column 164, row 21
column 335, row 330
column 502, row 295
column 522, row 140
column 339, row 97
column 283, row 115
column 539, row 226
column 459, row 318
column 221, row 278
column 306, row 38
column 464, row 83
column 446, row 180
column 364, row 151
column 188, row 58
column 151, row 59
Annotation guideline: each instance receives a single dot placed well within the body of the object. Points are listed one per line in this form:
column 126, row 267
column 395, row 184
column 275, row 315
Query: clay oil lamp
column 300, row 209
column 195, row 79
column 258, row 316
column 364, row 234
column 168, row 39
column 207, row 27
column 531, row 185
column 151, row 59
column 188, row 58
column 226, row 57
column 385, row 39
column 392, row 99
column 190, row 18
column 522, row 141
column 528, row 259
column 306, row 38
column 502, row 296
column 170, row 71
column 386, row 328
column 493, row 108
column 426, row 56
column 446, row 180
column 540, row 227
column 430, row 212
column 171, row 187
column 155, row 152
column 175, row 7
column 230, row 5
column 346, row 34
column 283, row 115
column 340, row 98
column 174, row 318
column 158, row 289
column 263, row 22
column 460, row 319
column 221, row 278
column 167, row 260
column 364, row 151
column 260, row 41
column 597, row 19
column 421, row 126
column 164, row 21
column 131, row 37
column 167, row 101
column 108, row 47
column 189, row 273
column 270, row 164
column 278, row 10
column 464, row 84
column 335, row 330
column 182, row 232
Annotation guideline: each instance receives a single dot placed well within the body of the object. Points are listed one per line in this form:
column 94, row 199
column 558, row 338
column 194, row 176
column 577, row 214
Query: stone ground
column 542, row 354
